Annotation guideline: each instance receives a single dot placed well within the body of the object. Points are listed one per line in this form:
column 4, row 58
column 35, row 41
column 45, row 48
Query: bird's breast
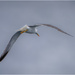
column 31, row 31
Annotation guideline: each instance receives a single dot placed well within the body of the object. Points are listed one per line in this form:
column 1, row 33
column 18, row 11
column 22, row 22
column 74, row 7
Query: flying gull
column 26, row 29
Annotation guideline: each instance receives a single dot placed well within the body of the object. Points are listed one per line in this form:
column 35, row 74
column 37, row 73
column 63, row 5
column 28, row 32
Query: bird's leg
column 24, row 31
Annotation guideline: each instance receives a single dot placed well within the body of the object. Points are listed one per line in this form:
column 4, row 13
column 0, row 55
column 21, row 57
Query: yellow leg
column 24, row 31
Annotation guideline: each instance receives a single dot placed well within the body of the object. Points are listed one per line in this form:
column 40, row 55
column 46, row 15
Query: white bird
column 27, row 29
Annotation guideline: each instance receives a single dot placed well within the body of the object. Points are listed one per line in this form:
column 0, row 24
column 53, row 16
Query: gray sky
column 52, row 52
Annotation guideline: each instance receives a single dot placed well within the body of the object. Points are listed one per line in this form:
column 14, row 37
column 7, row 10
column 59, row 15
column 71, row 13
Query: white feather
column 24, row 28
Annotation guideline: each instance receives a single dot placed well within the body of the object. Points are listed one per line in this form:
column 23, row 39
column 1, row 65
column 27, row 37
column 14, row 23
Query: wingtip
column 0, row 59
column 71, row 35
column 3, row 56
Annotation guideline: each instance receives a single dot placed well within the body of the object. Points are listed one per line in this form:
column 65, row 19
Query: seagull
column 26, row 29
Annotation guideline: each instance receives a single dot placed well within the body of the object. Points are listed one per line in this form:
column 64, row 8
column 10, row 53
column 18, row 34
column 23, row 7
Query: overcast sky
column 52, row 52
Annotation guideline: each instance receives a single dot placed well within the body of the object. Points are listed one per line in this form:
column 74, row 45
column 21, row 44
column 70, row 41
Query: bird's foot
column 24, row 31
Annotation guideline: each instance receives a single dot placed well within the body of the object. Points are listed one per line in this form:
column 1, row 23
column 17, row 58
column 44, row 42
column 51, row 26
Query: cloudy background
column 52, row 52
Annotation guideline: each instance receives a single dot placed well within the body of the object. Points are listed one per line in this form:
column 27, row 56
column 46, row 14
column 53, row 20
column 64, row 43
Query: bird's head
column 36, row 32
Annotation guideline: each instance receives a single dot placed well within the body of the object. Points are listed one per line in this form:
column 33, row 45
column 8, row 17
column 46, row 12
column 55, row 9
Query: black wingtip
column 69, row 34
column 2, row 57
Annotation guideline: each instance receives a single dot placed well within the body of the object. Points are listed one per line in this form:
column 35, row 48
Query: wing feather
column 52, row 27
column 10, row 44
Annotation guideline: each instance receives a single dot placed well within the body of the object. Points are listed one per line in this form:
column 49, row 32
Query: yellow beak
column 24, row 31
column 37, row 34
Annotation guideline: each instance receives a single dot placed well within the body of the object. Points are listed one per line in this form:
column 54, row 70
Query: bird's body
column 26, row 29
column 32, row 30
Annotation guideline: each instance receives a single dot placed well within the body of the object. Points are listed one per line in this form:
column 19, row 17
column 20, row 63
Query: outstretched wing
column 10, row 44
column 52, row 27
